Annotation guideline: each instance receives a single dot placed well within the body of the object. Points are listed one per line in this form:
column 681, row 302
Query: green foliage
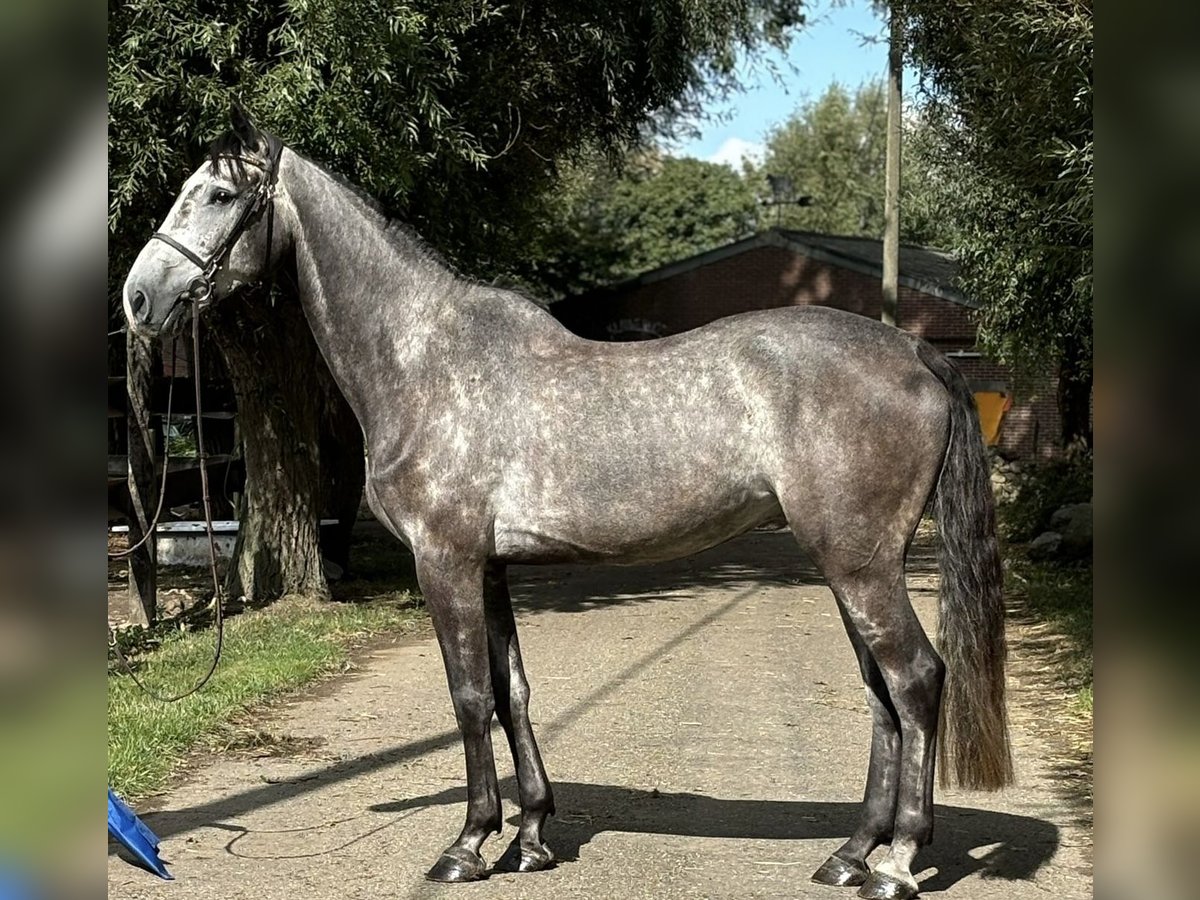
column 931, row 191
column 658, row 210
column 458, row 112
column 1043, row 490
column 669, row 209
column 1008, row 88
column 833, row 150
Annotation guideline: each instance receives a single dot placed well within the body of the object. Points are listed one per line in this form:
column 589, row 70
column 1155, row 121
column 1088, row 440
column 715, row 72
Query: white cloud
column 734, row 150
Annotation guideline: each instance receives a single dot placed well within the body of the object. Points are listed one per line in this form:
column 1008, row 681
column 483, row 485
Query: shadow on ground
column 740, row 568
column 968, row 841
column 767, row 558
column 1043, row 657
column 1017, row 845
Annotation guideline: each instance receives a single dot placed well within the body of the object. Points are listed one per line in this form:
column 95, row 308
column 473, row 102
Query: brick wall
column 769, row 277
column 1032, row 428
column 944, row 324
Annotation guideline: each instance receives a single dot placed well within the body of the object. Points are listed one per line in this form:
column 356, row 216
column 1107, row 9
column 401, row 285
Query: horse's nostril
column 137, row 303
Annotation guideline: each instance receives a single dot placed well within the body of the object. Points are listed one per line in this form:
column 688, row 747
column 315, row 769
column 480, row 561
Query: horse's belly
column 627, row 536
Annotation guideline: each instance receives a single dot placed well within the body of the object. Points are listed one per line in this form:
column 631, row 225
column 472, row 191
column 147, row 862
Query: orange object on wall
column 992, row 405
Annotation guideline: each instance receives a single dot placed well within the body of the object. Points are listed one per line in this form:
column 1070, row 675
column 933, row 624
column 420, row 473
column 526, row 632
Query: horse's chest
column 431, row 497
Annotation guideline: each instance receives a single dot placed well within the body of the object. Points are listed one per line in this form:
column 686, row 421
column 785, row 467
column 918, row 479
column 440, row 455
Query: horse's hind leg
column 453, row 590
column 876, row 606
column 848, row 864
column 527, row 853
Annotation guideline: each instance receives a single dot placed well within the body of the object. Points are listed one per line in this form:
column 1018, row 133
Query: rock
column 1045, row 545
column 1004, row 483
column 1074, row 523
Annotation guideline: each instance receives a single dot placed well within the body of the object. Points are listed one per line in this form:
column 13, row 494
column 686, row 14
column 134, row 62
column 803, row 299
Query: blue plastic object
column 14, row 885
column 135, row 836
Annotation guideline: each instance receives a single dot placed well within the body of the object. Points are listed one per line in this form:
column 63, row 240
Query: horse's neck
column 372, row 306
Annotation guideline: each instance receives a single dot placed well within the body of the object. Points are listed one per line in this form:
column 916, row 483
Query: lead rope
column 208, row 523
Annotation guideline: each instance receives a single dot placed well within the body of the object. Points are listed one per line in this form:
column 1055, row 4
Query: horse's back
column 754, row 381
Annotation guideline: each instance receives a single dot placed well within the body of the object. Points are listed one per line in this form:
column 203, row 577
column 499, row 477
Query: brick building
column 791, row 268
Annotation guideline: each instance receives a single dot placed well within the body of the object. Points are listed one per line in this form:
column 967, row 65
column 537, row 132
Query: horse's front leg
column 452, row 585
column 527, row 853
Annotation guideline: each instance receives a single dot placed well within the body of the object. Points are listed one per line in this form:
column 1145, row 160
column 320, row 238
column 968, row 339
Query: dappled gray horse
column 495, row 437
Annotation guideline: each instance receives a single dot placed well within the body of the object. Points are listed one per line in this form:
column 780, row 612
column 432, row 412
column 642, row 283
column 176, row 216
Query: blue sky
column 831, row 47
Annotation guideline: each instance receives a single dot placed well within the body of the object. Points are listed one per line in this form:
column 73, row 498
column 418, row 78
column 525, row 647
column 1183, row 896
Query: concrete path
column 702, row 721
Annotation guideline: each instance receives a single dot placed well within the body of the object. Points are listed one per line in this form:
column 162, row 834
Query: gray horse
column 495, row 437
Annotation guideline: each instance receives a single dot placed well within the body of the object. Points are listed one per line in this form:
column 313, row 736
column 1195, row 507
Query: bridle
column 264, row 198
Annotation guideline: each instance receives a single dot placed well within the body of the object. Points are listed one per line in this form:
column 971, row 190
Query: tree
column 1008, row 87
column 666, row 209
column 615, row 221
column 657, row 210
column 832, row 150
column 931, row 186
column 459, row 113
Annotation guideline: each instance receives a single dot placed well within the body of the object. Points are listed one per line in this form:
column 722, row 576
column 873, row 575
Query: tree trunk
column 144, row 485
column 343, row 470
column 273, row 364
column 1075, row 397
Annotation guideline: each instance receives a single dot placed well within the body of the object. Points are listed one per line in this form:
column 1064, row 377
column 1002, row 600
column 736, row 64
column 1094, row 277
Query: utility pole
column 891, row 197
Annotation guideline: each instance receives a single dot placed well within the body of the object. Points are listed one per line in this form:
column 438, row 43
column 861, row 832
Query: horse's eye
column 222, row 197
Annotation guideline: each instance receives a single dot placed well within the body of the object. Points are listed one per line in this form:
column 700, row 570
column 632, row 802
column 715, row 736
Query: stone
column 1045, row 545
column 1074, row 523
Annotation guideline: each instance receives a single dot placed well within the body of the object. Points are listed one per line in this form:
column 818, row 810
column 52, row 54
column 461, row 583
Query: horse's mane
column 398, row 231
column 231, row 148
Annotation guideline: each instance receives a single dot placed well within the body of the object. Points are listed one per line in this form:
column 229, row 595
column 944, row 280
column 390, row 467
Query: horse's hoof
column 879, row 886
column 838, row 872
column 456, row 865
column 525, row 859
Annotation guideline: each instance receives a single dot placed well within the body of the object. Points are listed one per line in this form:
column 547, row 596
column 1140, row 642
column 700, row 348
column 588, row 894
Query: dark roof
column 921, row 268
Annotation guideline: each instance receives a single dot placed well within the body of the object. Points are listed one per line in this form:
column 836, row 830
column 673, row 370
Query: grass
column 1060, row 596
column 267, row 653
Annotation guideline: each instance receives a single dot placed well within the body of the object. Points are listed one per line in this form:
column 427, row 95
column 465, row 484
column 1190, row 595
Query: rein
column 208, row 526
column 264, row 196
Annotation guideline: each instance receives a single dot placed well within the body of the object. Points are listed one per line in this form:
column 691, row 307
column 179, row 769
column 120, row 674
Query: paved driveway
column 703, row 723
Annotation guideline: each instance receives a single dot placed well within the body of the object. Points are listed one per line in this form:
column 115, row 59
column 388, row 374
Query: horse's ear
column 239, row 119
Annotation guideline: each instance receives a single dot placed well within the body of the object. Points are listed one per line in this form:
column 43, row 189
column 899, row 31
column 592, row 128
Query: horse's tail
column 973, row 729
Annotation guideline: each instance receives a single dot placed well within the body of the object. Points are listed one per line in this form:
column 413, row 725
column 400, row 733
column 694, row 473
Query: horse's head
column 219, row 235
